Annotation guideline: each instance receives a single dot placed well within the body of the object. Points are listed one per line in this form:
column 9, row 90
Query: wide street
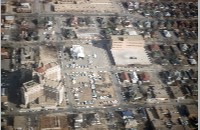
column 93, row 110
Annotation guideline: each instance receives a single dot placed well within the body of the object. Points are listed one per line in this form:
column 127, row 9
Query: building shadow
column 105, row 44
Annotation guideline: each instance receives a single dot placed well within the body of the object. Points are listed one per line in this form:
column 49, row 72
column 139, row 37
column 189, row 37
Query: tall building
column 49, row 90
column 31, row 91
column 54, row 90
column 53, row 71
column 50, row 85
column 50, row 71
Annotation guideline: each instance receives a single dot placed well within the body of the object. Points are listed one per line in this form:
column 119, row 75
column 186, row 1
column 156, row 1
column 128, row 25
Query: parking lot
column 92, row 89
column 88, row 80
column 91, row 59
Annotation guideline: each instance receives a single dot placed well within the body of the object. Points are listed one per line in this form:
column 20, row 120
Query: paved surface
column 90, row 110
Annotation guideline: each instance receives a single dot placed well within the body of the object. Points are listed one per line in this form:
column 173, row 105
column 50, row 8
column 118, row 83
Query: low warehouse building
column 128, row 50
column 77, row 51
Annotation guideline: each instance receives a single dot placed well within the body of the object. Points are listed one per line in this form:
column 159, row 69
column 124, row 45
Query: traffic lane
column 110, row 108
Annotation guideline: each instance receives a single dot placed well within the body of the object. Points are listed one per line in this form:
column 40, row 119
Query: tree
column 28, row 38
column 36, row 38
column 35, row 21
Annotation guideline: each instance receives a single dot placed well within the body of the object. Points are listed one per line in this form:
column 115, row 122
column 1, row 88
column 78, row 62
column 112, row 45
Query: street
column 93, row 110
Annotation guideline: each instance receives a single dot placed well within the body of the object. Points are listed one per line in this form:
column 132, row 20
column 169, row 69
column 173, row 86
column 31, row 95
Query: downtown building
column 31, row 91
column 54, row 90
column 129, row 50
column 48, row 89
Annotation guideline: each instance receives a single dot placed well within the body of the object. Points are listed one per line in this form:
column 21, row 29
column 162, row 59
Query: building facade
column 31, row 91
column 50, row 71
column 54, row 90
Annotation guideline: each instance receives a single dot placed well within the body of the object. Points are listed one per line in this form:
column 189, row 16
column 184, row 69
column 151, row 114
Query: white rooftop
column 131, row 56
column 27, row 5
column 77, row 51
column 9, row 17
column 132, row 32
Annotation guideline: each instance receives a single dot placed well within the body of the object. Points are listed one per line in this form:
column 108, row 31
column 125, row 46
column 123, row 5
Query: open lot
column 88, row 80
column 128, row 56
column 95, row 57
column 92, row 89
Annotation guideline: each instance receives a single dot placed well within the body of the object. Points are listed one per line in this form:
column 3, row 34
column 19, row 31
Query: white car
column 167, row 33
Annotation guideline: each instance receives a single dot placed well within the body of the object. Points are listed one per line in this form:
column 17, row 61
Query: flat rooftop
column 127, row 50
column 30, row 84
column 128, row 41
column 20, row 122
column 85, row 7
column 127, row 56
column 127, row 37
column 83, row 1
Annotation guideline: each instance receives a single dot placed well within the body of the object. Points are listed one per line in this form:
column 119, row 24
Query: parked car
column 167, row 33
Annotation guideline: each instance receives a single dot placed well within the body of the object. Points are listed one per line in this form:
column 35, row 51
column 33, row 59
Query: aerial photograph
column 99, row 64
